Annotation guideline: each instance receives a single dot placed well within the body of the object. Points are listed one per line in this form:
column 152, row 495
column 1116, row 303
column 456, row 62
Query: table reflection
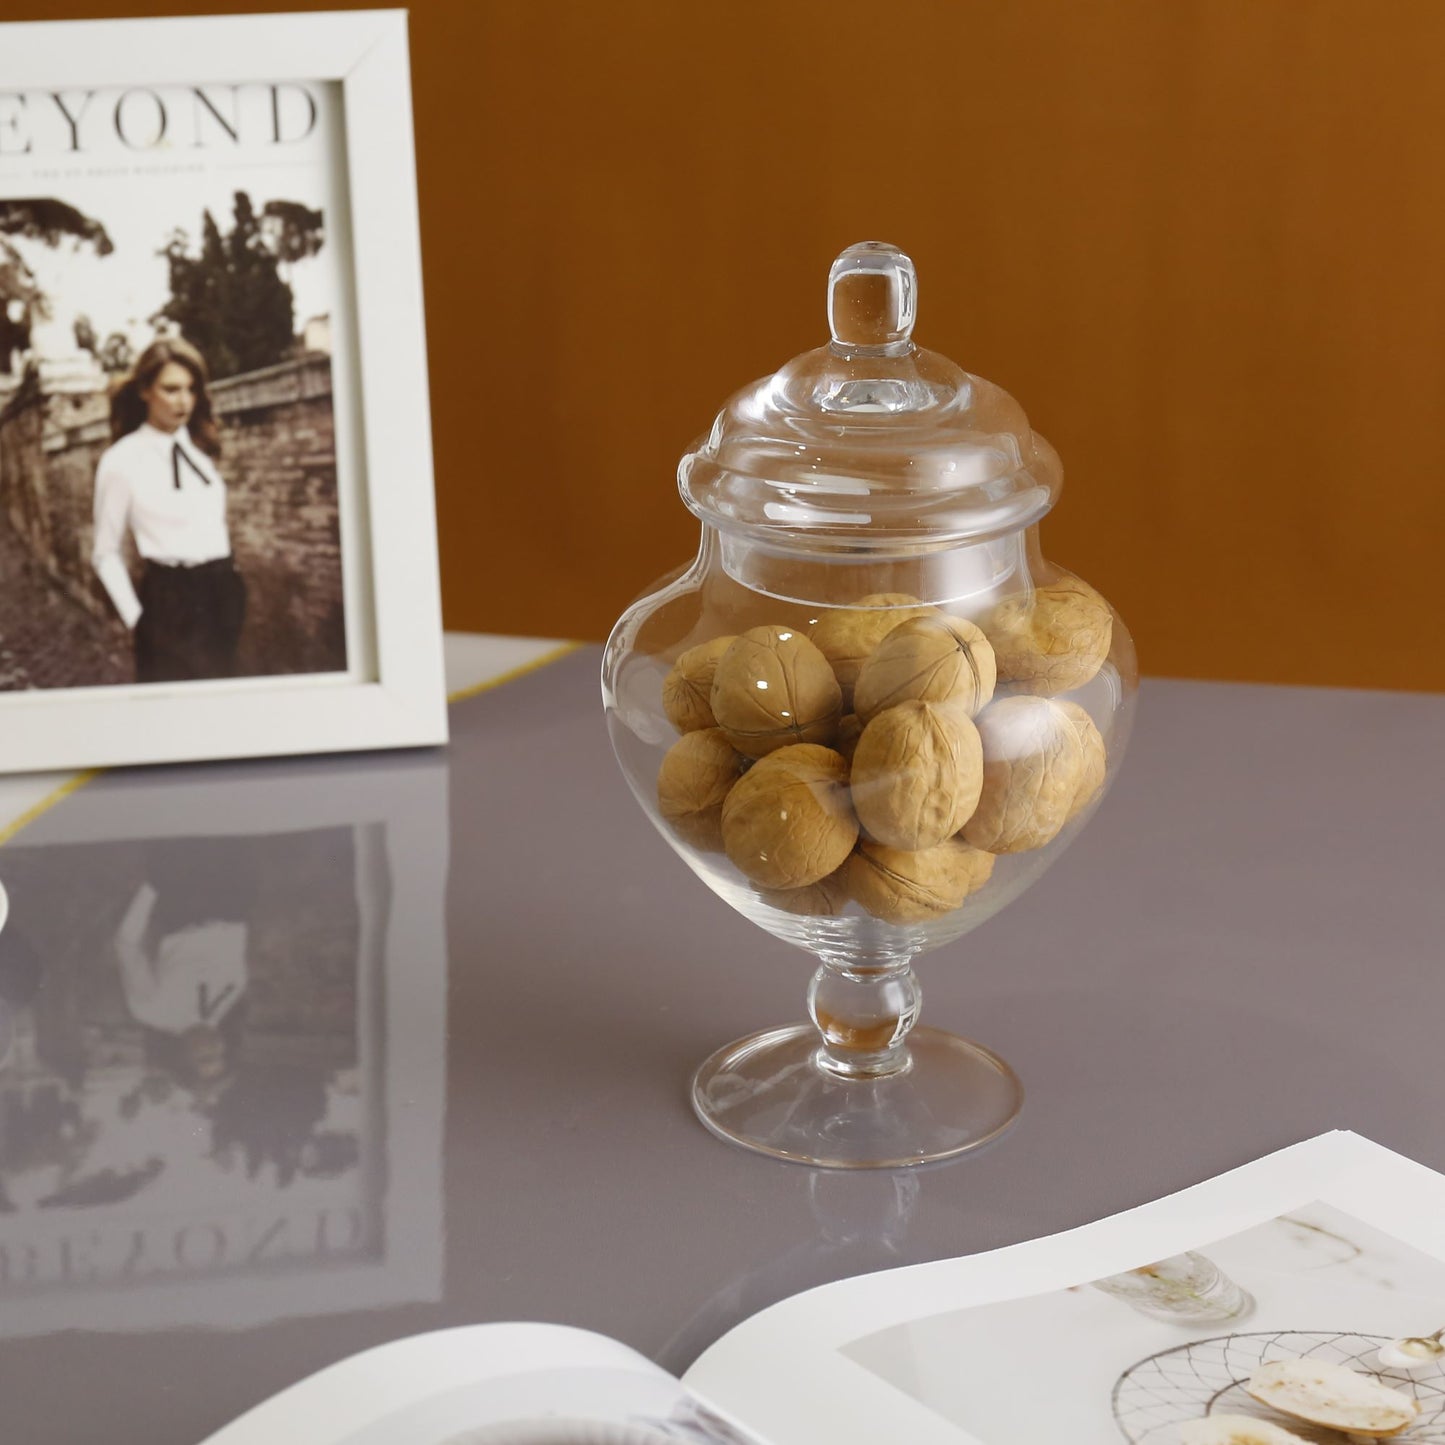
column 222, row 1047
column 861, row 1221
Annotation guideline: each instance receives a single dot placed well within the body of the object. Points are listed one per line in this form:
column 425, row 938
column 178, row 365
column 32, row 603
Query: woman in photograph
column 159, row 480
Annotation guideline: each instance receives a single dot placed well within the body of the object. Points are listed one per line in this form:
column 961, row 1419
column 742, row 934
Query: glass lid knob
column 872, row 300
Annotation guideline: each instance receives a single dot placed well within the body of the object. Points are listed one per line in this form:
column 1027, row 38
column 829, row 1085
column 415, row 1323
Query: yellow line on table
column 66, row 788
column 555, row 655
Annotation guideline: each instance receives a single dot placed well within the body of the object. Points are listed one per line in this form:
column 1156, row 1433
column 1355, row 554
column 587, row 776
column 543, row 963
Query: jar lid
column 871, row 442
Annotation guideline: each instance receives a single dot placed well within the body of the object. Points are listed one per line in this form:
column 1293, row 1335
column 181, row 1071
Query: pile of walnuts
column 870, row 760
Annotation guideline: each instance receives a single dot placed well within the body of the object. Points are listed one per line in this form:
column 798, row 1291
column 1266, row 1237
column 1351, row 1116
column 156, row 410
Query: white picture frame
column 392, row 692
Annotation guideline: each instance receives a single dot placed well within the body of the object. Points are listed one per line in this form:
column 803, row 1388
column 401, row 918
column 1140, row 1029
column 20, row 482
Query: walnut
column 773, row 689
column 902, row 887
column 850, row 729
column 1032, row 765
column 696, row 775
column 826, row 898
column 933, row 659
column 687, row 689
column 788, row 821
column 846, row 636
column 1055, row 640
column 1096, row 759
column 917, row 771
column 907, row 600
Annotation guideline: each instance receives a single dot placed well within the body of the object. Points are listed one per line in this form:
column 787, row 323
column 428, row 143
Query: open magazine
column 1299, row 1298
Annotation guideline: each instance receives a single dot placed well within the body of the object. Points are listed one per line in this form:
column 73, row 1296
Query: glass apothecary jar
column 868, row 715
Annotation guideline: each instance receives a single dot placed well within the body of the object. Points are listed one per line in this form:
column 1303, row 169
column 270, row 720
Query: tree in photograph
column 230, row 297
column 294, row 232
column 45, row 222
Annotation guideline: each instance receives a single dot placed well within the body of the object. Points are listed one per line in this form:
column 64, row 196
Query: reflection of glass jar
column 1186, row 1287
column 869, row 715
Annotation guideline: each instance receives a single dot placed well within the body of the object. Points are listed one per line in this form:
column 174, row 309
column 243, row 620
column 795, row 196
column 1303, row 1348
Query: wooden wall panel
column 1201, row 241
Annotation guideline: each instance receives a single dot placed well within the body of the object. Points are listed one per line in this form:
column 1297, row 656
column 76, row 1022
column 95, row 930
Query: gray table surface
column 455, row 1096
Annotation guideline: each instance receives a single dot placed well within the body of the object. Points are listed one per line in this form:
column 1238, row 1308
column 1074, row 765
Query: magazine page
column 1293, row 1299
column 500, row 1384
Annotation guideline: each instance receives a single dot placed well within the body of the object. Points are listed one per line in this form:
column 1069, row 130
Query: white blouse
column 168, row 492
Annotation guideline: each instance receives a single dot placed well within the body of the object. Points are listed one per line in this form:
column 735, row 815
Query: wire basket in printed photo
column 1153, row 1398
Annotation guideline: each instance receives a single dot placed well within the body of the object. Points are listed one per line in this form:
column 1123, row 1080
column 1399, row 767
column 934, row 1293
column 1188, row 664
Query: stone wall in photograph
column 279, row 462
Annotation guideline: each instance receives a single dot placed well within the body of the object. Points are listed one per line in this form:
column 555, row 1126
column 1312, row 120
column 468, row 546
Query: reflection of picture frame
column 205, row 1248
column 324, row 438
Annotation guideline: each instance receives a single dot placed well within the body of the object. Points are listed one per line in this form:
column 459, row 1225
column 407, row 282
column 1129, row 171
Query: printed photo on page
column 1312, row 1327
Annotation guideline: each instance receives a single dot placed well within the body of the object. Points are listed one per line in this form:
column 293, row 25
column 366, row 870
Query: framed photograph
column 217, row 525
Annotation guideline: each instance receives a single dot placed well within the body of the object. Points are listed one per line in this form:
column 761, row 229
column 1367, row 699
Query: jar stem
column 863, row 1012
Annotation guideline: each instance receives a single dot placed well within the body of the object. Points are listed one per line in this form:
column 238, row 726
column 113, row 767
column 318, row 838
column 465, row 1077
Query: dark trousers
column 190, row 621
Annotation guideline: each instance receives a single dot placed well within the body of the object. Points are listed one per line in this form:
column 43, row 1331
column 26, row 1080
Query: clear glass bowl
column 868, row 715
column 1185, row 1288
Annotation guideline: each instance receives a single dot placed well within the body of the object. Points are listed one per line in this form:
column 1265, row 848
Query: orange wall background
column 1201, row 241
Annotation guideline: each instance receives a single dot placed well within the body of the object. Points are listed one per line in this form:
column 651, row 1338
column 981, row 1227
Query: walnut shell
column 773, row 689
column 1033, row 762
column 687, row 689
column 1096, row 758
column 917, row 772
column 826, row 898
column 846, row 636
column 850, row 729
column 696, row 775
column 1332, row 1395
column 933, row 659
column 902, row 887
column 788, row 821
column 1055, row 640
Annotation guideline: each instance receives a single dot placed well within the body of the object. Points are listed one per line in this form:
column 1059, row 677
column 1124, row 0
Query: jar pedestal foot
column 770, row 1092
